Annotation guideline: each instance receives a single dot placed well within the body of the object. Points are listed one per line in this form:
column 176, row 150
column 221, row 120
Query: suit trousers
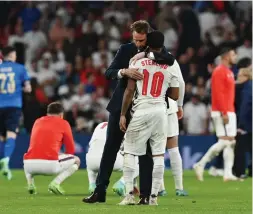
column 243, row 145
column 113, row 141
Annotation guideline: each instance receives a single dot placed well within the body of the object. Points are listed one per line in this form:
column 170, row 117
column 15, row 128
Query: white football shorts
column 221, row 129
column 173, row 126
column 49, row 167
column 152, row 126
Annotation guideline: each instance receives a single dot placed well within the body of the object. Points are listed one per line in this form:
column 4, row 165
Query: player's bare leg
column 8, row 150
column 157, row 178
column 55, row 185
column 176, row 165
column 128, row 174
column 92, row 175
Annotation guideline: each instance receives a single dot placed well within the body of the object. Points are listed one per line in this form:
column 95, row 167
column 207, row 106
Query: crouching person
column 48, row 135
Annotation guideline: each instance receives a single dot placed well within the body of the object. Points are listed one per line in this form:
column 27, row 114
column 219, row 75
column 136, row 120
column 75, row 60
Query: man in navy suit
column 244, row 137
column 119, row 70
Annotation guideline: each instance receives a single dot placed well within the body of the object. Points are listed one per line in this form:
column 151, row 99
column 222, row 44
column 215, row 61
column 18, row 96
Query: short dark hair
column 225, row 50
column 140, row 26
column 55, row 108
column 155, row 39
column 7, row 50
column 244, row 63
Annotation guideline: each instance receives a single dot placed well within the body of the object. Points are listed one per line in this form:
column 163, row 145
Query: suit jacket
column 121, row 60
column 245, row 113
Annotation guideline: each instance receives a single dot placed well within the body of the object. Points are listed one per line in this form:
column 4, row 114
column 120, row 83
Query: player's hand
column 122, row 123
column 137, row 57
column 225, row 119
column 133, row 73
column 180, row 113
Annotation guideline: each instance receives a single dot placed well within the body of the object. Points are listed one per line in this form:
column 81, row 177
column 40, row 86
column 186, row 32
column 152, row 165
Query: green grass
column 212, row 196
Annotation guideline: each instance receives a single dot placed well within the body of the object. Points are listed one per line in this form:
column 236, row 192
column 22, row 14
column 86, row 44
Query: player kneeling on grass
column 49, row 133
column 93, row 159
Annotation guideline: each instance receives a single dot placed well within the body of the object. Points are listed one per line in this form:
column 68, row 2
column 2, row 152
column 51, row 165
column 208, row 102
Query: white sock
column 157, row 175
column 6, row 161
column 176, row 167
column 136, row 174
column 92, row 176
column 213, row 151
column 29, row 178
column 135, row 182
column 162, row 187
column 228, row 156
column 65, row 174
column 128, row 172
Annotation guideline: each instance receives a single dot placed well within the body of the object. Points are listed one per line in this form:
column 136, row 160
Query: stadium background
column 67, row 46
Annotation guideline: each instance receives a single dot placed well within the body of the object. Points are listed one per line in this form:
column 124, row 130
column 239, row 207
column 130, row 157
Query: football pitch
column 211, row 196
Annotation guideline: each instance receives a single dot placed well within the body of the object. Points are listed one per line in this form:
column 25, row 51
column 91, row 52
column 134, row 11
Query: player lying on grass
column 93, row 159
column 49, row 134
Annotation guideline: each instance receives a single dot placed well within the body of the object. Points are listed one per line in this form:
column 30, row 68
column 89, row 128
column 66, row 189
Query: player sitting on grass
column 49, row 133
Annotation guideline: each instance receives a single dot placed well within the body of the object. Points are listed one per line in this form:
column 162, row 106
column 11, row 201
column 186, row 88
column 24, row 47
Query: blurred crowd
column 67, row 46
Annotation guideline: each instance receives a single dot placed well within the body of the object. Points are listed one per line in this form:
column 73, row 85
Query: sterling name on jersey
column 157, row 79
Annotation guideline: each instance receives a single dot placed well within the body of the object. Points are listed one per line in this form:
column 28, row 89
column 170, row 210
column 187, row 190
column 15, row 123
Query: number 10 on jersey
column 156, row 84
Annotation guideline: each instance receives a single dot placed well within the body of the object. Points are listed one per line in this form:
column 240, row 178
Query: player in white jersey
column 93, row 159
column 175, row 113
column 149, row 121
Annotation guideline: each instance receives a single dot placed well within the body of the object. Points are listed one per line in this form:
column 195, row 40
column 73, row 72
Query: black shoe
column 143, row 201
column 96, row 197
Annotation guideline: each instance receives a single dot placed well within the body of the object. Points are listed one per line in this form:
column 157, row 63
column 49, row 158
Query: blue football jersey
column 12, row 78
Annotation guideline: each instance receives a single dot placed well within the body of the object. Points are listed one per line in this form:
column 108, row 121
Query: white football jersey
column 173, row 106
column 157, row 79
column 97, row 141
